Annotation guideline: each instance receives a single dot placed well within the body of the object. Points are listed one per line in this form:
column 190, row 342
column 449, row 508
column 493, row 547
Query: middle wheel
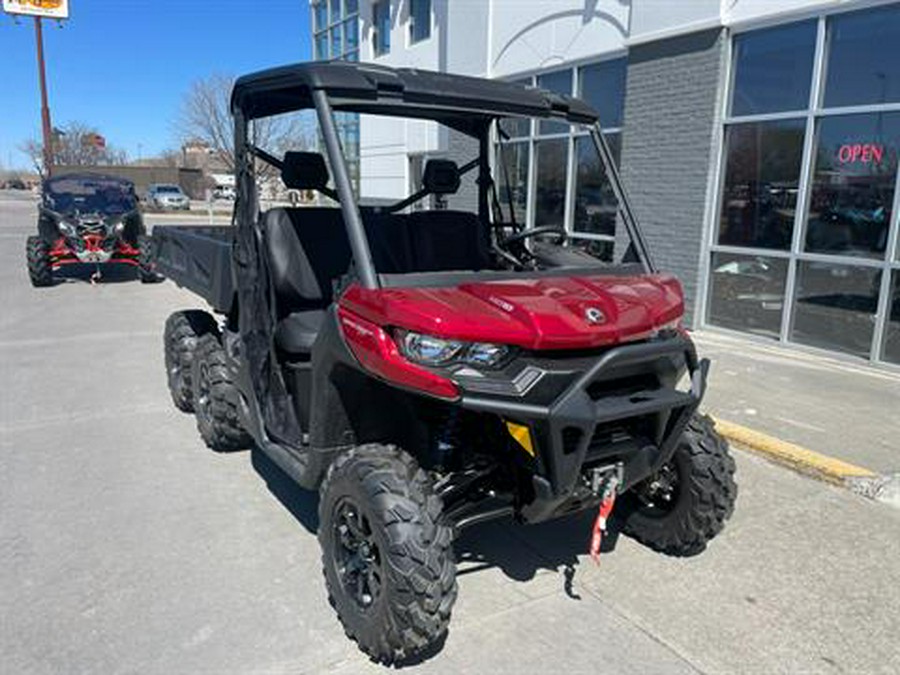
column 216, row 398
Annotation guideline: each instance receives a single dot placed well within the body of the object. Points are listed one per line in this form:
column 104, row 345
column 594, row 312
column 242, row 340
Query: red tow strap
column 606, row 506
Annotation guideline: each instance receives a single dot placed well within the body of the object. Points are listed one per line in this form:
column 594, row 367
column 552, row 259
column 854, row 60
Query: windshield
column 169, row 189
column 90, row 195
column 489, row 195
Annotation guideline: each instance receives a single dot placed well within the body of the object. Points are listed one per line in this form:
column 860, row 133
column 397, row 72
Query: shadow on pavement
column 109, row 274
column 302, row 504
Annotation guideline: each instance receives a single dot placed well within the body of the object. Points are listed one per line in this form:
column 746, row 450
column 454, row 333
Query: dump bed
column 199, row 259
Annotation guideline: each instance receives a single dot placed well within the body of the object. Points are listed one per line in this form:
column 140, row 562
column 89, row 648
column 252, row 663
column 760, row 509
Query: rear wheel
column 387, row 552
column 147, row 261
column 183, row 330
column 684, row 505
column 216, row 398
column 39, row 268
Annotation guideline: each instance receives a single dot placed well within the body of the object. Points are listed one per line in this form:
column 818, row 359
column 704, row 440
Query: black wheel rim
column 357, row 557
column 658, row 495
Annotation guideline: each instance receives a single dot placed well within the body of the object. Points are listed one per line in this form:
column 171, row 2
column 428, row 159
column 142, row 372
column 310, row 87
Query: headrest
column 441, row 177
column 304, row 171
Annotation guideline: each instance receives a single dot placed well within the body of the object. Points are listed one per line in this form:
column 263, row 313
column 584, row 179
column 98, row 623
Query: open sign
column 866, row 153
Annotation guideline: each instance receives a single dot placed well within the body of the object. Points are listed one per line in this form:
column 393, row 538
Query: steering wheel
column 518, row 237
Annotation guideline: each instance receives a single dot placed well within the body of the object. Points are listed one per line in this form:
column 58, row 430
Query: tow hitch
column 605, row 482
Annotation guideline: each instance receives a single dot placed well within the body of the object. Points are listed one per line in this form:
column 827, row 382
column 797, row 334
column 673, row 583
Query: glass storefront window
column 596, row 207
column 381, row 21
column 863, row 57
column 320, row 13
column 762, row 175
column 419, row 20
column 891, row 350
column 322, row 46
column 550, row 182
column 835, row 306
column 336, row 46
column 747, row 293
column 351, row 7
column 603, row 86
column 559, row 82
column 773, row 69
column 351, row 34
column 853, row 186
column 513, row 179
column 335, row 11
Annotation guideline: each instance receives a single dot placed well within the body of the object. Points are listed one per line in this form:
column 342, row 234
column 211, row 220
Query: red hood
column 543, row 313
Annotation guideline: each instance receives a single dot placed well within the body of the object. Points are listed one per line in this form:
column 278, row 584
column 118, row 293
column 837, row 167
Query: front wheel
column 680, row 508
column 40, row 270
column 387, row 552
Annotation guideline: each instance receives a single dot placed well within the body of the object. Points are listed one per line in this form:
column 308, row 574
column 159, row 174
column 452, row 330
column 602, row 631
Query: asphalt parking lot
column 126, row 546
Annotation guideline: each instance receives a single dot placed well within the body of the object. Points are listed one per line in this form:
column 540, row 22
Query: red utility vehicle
column 428, row 369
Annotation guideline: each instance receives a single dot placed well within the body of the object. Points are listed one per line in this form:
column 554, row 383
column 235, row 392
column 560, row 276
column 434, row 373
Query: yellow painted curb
column 794, row 456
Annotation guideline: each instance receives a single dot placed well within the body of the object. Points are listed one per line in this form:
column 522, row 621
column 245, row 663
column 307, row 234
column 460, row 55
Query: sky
column 123, row 66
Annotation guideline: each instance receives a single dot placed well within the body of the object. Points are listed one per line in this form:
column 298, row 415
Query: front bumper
column 92, row 249
column 624, row 408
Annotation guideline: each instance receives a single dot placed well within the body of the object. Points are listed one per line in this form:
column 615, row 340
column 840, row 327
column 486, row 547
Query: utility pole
column 45, row 108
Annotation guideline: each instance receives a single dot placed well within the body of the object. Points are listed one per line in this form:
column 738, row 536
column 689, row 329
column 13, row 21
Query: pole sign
column 51, row 9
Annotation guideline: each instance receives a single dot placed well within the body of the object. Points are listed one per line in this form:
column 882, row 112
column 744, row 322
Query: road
column 128, row 547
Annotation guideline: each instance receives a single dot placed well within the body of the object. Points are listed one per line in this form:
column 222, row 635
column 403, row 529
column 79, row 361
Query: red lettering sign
column 866, row 153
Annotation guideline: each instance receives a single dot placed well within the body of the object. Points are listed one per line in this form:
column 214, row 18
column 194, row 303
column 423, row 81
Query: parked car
column 427, row 371
column 224, row 192
column 16, row 184
column 88, row 219
column 167, row 196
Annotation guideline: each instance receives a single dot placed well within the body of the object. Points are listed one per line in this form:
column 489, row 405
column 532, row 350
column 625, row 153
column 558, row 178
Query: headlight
column 119, row 227
column 428, row 350
column 66, row 228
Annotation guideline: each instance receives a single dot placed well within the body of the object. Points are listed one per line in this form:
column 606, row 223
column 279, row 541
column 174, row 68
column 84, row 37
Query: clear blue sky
column 123, row 65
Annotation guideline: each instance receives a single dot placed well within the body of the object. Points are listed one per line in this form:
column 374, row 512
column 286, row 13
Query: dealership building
column 758, row 141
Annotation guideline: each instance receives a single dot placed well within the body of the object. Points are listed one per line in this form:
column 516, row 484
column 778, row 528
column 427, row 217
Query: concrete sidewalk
column 833, row 406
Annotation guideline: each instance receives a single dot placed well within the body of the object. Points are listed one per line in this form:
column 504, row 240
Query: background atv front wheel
column 387, row 552
column 183, row 330
column 147, row 262
column 39, row 268
column 216, row 398
column 686, row 503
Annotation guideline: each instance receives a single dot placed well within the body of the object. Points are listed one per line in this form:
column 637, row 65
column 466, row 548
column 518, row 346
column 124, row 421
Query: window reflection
column 513, row 179
column 603, row 86
column 853, row 186
column 761, row 180
column 560, row 83
column 863, row 57
column 550, row 201
column 835, row 306
column 595, row 204
column 747, row 293
column 599, row 248
column 773, row 69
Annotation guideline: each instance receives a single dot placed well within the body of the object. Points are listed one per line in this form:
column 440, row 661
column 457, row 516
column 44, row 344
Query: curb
column 796, row 457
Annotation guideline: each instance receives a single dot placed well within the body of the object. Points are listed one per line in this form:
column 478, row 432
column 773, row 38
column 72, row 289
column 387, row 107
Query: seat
column 307, row 250
column 296, row 333
column 444, row 241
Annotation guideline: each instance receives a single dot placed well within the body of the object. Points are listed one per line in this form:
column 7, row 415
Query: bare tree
column 75, row 144
column 205, row 116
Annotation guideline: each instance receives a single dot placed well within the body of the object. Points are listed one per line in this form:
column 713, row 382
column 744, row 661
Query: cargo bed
column 198, row 259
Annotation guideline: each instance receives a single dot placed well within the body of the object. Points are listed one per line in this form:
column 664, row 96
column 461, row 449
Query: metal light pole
column 45, row 108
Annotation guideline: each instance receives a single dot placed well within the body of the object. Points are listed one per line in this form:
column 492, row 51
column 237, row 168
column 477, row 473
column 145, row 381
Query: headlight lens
column 428, row 350
column 66, row 228
column 119, row 227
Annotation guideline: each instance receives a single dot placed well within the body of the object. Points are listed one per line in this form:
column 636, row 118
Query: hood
column 538, row 313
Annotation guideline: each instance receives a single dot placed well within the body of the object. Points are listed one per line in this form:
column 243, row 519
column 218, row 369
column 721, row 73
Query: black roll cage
column 469, row 105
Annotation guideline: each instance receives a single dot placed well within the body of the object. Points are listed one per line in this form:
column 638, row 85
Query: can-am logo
column 594, row 315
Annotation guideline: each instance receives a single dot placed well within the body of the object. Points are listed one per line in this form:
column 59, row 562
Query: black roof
column 364, row 87
column 87, row 176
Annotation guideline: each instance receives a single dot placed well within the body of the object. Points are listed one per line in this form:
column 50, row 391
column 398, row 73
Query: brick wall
column 670, row 115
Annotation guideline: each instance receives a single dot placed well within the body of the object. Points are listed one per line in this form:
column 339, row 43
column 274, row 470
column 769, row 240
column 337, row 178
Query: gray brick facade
column 671, row 99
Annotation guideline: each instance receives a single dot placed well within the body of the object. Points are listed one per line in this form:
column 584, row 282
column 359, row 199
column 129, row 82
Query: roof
column 87, row 176
column 365, row 87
